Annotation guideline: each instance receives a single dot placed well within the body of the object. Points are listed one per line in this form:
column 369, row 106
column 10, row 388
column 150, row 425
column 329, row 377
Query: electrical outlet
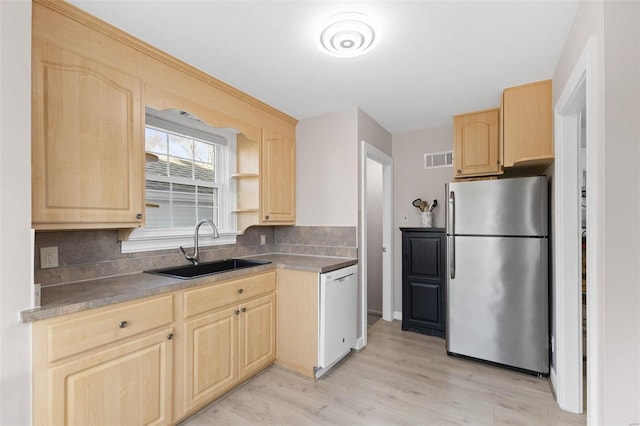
column 263, row 240
column 48, row 257
column 404, row 218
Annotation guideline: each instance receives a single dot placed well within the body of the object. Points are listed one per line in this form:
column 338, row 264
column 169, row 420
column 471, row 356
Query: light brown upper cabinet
column 527, row 125
column 265, row 180
column 476, row 144
column 91, row 83
column 87, row 143
column 277, row 178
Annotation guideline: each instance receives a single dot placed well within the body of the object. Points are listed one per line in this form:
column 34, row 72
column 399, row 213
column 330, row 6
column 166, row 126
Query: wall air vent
column 436, row 160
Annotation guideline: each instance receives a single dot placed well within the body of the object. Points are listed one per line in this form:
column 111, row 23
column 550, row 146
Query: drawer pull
column 244, row 309
column 123, row 324
column 170, row 336
column 240, row 291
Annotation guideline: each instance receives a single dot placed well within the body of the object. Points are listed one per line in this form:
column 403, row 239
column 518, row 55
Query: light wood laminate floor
column 400, row 378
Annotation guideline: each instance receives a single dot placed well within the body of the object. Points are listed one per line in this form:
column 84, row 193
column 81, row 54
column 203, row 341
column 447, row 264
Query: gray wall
column 373, row 133
column 615, row 26
column 328, row 168
column 411, row 181
column 15, row 211
column 327, row 172
column 622, row 225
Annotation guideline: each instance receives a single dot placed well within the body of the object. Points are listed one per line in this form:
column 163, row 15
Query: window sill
column 170, row 239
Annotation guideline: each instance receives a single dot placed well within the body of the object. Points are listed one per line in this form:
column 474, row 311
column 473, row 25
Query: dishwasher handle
column 342, row 278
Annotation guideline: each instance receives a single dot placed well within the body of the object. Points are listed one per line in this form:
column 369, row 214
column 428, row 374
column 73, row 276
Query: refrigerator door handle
column 452, row 233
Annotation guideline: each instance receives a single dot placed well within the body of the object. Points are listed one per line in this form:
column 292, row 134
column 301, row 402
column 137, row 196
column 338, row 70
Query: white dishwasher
column 338, row 316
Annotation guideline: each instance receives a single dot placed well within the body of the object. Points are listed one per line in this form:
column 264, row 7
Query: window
column 182, row 185
column 187, row 180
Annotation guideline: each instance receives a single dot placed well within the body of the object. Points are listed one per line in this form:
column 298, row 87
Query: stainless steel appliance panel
column 515, row 207
column 498, row 309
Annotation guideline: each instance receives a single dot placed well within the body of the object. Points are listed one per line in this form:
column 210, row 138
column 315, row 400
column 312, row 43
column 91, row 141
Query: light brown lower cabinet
column 225, row 347
column 210, row 357
column 256, row 336
column 112, row 365
column 297, row 321
column 156, row 360
column 130, row 384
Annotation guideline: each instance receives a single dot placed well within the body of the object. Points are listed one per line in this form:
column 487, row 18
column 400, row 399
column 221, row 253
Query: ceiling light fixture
column 347, row 35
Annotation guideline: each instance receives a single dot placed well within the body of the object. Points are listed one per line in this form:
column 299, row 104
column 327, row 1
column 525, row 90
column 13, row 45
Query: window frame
column 150, row 239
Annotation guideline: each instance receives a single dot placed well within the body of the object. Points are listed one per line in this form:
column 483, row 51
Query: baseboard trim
column 397, row 315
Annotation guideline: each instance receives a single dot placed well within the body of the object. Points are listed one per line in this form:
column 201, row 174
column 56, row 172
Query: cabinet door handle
column 170, row 336
column 244, row 309
column 266, row 217
column 237, row 312
column 123, row 324
column 240, row 291
column 139, row 216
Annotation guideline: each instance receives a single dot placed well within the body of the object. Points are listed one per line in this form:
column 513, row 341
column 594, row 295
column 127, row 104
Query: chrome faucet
column 194, row 258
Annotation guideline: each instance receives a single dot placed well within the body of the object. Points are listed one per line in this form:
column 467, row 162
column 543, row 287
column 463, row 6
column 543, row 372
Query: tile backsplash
column 338, row 241
column 84, row 255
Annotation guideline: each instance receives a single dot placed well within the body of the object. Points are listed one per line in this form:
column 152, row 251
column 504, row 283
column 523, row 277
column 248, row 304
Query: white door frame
column 567, row 373
column 567, row 239
column 368, row 151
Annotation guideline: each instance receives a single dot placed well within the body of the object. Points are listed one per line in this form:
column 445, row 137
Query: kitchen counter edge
column 63, row 299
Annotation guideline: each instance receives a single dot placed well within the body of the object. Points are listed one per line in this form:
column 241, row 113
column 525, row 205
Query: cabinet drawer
column 89, row 331
column 222, row 294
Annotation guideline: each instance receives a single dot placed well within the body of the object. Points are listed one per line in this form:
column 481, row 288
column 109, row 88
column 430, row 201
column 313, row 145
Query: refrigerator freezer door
column 516, row 207
column 498, row 307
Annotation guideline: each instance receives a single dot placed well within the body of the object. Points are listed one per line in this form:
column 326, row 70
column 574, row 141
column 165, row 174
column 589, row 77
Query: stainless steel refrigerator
column 497, row 272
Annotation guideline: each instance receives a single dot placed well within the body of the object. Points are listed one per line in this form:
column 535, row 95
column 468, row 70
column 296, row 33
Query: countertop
column 61, row 299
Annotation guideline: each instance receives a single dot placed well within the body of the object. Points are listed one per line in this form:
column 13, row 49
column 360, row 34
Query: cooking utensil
column 422, row 205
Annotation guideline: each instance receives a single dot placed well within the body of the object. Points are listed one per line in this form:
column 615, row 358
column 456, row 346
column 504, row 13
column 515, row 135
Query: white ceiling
column 434, row 59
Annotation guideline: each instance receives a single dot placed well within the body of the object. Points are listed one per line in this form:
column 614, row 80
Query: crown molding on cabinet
column 114, row 33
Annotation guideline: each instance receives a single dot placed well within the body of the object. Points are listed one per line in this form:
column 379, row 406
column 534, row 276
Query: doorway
column 575, row 302
column 374, row 241
column 376, row 225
